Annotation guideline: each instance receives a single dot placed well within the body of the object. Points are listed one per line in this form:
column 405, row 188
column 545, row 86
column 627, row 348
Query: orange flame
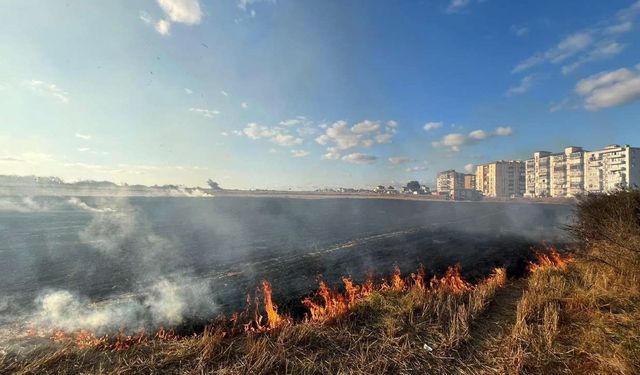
column 549, row 259
column 451, row 281
column 273, row 319
column 325, row 304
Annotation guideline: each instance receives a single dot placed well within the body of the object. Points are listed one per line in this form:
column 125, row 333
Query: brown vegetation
column 578, row 314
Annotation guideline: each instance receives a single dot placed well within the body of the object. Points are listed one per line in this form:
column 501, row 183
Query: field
column 576, row 311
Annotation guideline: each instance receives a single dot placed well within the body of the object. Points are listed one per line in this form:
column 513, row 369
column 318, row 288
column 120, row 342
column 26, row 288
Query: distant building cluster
column 569, row 173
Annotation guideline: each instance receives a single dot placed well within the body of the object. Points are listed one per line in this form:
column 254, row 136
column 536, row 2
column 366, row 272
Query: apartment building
column 501, row 179
column 447, row 181
column 612, row 168
column 576, row 171
column 470, row 181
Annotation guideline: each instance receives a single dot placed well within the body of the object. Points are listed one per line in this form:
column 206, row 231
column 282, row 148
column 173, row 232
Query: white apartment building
column 612, row 168
column 447, row 181
column 576, row 171
column 502, row 179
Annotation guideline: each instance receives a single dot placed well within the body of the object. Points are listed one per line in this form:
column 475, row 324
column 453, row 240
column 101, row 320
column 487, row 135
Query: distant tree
column 213, row 185
column 413, row 185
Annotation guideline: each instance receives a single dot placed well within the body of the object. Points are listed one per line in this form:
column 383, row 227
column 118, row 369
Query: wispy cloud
column 208, row 113
column 244, row 105
column 278, row 135
column 590, row 44
column 469, row 168
column 525, row 85
column 363, row 134
column 395, row 160
column 417, row 168
column 175, row 11
column 455, row 141
column 609, row 88
column 299, row 153
column 600, row 52
column 519, row 30
column 358, row 158
column 83, row 136
column 247, row 5
column 48, row 89
column 432, row 125
column 456, row 6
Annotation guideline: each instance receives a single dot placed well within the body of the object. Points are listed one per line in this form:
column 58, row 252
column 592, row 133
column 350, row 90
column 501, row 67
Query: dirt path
column 490, row 327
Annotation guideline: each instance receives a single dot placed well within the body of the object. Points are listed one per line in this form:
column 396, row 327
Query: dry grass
column 582, row 319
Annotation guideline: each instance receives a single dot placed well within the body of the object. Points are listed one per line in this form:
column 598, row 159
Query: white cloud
column 299, row 153
column 600, row 52
column 208, row 113
column 363, row 134
column 358, row 158
column 384, row 137
column 255, row 131
column 176, row 11
column 503, row 131
column 84, row 149
column 525, row 84
column 182, row 11
column 224, row 134
column 276, row 135
column 519, row 30
column 286, row 140
column 303, row 126
column 455, row 141
column 145, row 17
column 432, row 125
column 48, row 89
column 332, row 154
column 620, row 28
column 244, row 105
column 469, row 168
column 188, row 91
column 609, row 89
column 297, row 121
column 224, row 93
column 83, row 136
column 457, row 5
column 163, row 27
column 417, row 168
column 479, row 134
column 591, row 44
column 365, row 126
column 566, row 48
column 395, row 160
column 244, row 5
column 564, row 103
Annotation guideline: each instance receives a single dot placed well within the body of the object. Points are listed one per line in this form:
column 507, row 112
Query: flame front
column 273, row 319
column 549, row 259
column 324, row 305
column 451, row 281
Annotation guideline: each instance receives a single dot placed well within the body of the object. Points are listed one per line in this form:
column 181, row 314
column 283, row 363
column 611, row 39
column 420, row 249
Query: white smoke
column 166, row 302
column 193, row 193
column 76, row 202
column 108, row 232
column 23, row 205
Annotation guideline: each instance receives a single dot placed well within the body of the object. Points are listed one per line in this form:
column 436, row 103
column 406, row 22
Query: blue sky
column 303, row 94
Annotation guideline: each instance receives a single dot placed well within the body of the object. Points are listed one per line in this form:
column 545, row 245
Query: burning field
column 496, row 306
column 407, row 320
